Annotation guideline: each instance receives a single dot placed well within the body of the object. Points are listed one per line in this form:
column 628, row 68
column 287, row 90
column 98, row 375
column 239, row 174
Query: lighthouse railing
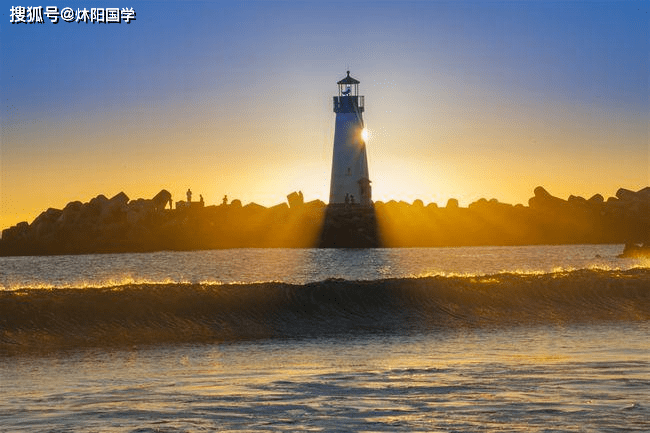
column 348, row 104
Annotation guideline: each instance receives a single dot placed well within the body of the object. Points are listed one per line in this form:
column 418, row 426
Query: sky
column 462, row 100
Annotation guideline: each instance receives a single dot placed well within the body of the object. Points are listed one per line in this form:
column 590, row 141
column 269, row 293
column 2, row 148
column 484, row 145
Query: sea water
column 539, row 338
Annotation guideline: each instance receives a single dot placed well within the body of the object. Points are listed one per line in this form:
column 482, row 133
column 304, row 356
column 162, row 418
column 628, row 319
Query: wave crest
column 146, row 312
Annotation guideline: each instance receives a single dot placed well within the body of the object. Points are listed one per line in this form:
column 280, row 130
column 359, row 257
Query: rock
column 17, row 233
column 452, row 203
column 135, row 214
column 317, row 204
column 114, row 209
column 276, row 208
column 43, row 226
column 73, row 206
column 161, row 200
column 44, row 223
column 634, row 250
column 138, row 210
column 70, row 213
column 90, row 211
column 541, row 193
column 49, row 215
column 295, row 199
column 480, row 201
column 626, row 195
column 478, row 204
column 254, row 207
column 544, row 200
column 99, row 201
column 576, row 199
column 596, row 199
column 644, row 193
column 119, row 199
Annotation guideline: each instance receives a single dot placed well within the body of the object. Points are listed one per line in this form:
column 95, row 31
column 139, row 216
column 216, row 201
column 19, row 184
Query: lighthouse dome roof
column 349, row 80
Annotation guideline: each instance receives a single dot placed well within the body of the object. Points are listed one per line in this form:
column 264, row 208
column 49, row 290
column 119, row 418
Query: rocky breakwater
column 100, row 225
column 631, row 211
column 118, row 224
column 121, row 225
column 624, row 218
column 547, row 219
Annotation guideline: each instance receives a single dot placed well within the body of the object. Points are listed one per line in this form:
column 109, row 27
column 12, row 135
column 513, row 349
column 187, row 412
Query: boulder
column 50, row 215
column 452, row 203
column 295, row 199
column 277, row 208
column 119, row 199
column 540, row 192
column 98, row 201
column 316, row 204
column 478, row 204
column 70, row 213
column 626, row 195
column 596, row 199
column 138, row 210
column 576, row 199
column 161, row 200
column 577, row 202
column 644, row 194
column 254, row 207
column 544, row 200
column 16, row 233
column 44, row 224
column 91, row 211
column 114, row 209
column 73, row 206
column 134, row 215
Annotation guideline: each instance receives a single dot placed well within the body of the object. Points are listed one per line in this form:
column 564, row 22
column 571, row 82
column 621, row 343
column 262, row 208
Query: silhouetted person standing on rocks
column 189, row 195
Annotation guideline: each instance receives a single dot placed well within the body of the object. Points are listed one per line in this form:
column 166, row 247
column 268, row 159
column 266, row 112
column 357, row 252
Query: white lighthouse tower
column 350, row 182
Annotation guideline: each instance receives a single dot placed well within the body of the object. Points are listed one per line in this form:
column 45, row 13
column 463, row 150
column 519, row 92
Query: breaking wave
column 149, row 313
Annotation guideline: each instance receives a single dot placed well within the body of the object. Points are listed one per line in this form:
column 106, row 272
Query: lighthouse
column 350, row 183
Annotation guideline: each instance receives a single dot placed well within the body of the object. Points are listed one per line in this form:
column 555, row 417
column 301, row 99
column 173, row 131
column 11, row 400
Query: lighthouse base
column 349, row 226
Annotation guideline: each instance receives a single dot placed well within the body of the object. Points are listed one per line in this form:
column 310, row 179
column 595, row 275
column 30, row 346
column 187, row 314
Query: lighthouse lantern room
column 350, row 183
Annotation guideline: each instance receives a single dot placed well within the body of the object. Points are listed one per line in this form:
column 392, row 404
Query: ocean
column 516, row 339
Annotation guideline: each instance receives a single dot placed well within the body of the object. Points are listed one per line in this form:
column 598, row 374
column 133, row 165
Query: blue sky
column 463, row 99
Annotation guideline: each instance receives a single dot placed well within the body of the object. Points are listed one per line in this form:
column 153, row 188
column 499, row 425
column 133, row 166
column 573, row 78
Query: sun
column 364, row 134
